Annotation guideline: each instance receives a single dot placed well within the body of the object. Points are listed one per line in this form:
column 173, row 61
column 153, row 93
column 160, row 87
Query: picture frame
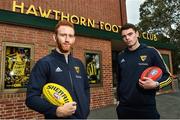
column 93, row 67
column 17, row 60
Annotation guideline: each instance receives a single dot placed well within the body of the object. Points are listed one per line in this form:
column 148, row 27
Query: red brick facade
column 99, row 10
column 12, row 104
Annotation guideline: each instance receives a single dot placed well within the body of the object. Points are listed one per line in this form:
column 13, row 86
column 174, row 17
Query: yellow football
column 56, row 94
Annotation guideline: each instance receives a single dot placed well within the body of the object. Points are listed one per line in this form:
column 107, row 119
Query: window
column 166, row 60
column 16, row 66
column 167, row 57
column 93, row 67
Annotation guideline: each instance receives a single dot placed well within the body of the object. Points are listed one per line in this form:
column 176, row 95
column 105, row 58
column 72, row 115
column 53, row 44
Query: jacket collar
column 60, row 56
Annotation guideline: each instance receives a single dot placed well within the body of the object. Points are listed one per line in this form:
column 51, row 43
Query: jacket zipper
column 71, row 81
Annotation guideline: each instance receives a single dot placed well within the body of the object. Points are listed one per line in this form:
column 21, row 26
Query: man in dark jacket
column 136, row 96
column 61, row 68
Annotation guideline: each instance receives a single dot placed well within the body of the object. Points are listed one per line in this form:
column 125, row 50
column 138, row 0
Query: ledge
column 14, row 18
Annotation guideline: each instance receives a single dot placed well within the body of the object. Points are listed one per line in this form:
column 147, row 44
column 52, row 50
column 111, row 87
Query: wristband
column 157, row 85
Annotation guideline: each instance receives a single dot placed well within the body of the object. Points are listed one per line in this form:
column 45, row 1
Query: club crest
column 143, row 57
column 77, row 69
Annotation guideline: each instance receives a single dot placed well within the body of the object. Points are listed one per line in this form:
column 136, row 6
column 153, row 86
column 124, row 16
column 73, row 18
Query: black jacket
column 54, row 69
column 131, row 64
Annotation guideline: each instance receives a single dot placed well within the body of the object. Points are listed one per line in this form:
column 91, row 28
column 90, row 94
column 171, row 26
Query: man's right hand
column 66, row 110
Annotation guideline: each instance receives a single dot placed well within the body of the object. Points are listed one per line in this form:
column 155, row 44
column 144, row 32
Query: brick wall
column 103, row 95
column 99, row 10
column 12, row 104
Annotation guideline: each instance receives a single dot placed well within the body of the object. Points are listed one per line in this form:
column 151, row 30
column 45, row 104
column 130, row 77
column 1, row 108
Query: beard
column 64, row 47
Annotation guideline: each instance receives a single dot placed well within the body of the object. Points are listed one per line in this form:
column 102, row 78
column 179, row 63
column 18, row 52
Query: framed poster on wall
column 16, row 65
column 93, row 66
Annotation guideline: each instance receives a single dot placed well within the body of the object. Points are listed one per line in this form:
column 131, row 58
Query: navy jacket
column 54, row 69
column 131, row 64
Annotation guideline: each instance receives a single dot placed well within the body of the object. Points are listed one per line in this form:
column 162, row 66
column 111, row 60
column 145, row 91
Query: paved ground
column 168, row 106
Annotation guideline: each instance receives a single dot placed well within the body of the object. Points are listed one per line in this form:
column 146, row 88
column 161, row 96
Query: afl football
column 155, row 73
column 56, row 94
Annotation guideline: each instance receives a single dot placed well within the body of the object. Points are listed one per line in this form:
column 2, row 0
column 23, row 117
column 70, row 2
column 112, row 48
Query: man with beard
column 137, row 96
column 61, row 68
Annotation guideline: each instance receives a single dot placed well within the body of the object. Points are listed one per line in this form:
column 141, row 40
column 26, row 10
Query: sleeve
column 86, row 85
column 118, row 77
column 166, row 78
column 86, row 88
column 34, row 99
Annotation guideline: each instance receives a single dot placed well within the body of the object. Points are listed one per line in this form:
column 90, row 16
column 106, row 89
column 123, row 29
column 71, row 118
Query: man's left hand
column 148, row 83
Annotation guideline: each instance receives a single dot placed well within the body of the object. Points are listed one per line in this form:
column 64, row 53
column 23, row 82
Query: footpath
column 168, row 106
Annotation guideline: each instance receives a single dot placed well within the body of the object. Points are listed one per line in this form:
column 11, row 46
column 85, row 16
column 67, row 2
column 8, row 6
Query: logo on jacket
column 77, row 69
column 122, row 60
column 58, row 69
column 143, row 57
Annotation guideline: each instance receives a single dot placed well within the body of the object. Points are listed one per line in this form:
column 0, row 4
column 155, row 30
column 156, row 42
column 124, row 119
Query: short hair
column 128, row 26
column 63, row 23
